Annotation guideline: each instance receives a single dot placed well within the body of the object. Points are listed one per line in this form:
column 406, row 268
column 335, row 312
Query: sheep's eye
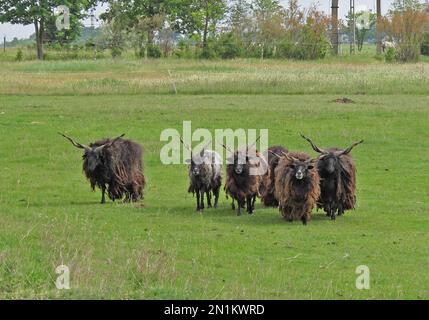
column 310, row 167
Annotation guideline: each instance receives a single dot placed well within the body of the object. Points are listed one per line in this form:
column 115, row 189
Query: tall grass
column 212, row 77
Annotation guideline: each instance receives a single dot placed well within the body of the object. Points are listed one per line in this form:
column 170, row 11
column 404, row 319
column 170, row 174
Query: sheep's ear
column 230, row 160
column 188, row 161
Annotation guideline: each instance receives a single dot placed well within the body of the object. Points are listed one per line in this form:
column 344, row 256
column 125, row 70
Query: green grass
column 162, row 248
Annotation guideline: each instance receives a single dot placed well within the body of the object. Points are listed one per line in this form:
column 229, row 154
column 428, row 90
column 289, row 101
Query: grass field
column 162, row 248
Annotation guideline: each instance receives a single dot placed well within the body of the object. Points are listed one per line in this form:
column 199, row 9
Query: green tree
column 39, row 13
column 403, row 5
column 140, row 18
column 198, row 18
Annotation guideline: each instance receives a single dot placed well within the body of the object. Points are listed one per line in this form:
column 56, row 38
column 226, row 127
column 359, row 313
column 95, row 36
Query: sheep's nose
column 299, row 175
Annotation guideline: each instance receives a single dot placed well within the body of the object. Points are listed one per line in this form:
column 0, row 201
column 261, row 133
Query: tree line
column 217, row 28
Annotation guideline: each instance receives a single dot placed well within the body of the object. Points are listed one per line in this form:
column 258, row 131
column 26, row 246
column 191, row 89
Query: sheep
column 205, row 176
column 114, row 165
column 338, row 179
column 268, row 180
column 296, row 186
column 241, row 183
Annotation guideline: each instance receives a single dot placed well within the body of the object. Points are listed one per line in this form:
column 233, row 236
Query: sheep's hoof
column 333, row 217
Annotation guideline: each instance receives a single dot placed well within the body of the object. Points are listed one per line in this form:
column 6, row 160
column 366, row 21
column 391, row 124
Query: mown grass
column 162, row 248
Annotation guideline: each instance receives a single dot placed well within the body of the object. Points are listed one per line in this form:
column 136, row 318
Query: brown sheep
column 338, row 179
column 297, row 186
column 267, row 189
column 114, row 165
column 240, row 184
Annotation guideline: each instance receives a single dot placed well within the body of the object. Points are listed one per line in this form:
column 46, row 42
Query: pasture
column 161, row 248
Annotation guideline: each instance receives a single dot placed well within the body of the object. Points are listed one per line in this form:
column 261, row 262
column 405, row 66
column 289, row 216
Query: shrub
column 390, row 55
column 19, row 55
column 425, row 44
column 209, row 52
column 184, row 49
column 228, row 46
column 154, row 51
column 406, row 29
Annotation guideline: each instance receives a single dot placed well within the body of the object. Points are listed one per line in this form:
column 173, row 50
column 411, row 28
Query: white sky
column 20, row 31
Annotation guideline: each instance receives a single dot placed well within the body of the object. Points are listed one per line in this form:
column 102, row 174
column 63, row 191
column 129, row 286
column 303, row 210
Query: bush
column 406, row 29
column 228, row 46
column 425, row 44
column 286, row 49
column 390, row 55
column 116, row 52
column 184, row 49
column 154, row 51
column 19, row 55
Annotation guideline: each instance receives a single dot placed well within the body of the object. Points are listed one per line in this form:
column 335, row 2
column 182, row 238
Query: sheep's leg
column 216, row 195
column 333, row 212
column 209, row 199
column 249, row 204
column 202, row 200
column 307, row 214
column 233, row 204
column 253, row 202
column 198, row 200
column 103, row 194
column 240, row 205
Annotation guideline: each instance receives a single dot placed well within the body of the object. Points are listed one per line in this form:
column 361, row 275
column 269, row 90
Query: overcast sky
column 19, row 31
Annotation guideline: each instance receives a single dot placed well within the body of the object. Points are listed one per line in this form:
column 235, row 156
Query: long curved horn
column 289, row 157
column 76, row 144
column 253, row 144
column 185, row 145
column 110, row 143
column 227, row 148
column 315, row 148
column 274, row 154
column 347, row 151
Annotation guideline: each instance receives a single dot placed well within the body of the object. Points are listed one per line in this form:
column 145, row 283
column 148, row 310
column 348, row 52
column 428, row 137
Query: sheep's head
column 329, row 160
column 197, row 160
column 241, row 163
column 93, row 156
column 195, row 164
column 301, row 169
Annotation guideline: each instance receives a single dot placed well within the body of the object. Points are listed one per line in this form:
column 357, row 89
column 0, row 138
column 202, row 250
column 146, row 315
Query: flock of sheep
column 293, row 181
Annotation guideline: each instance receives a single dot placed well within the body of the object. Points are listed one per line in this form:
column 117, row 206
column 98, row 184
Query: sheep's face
column 301, row 169
column 195, row 169
column 93, row 157
column 328, row 163
column 240, row 163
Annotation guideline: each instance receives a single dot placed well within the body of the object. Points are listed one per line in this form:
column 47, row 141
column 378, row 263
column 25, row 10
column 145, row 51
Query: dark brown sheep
column 114, row 165
column 241, row 184
column 297, row 186
column 338, row 179
column 267, row 189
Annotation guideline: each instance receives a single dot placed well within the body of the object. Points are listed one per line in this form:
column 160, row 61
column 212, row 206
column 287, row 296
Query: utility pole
column 334, row 37
column 378, row 27
column 93, row 31
column 353, row 27
column 4, row 44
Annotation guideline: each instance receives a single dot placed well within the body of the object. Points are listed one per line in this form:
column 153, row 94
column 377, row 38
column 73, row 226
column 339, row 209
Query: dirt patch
column 343, row 100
